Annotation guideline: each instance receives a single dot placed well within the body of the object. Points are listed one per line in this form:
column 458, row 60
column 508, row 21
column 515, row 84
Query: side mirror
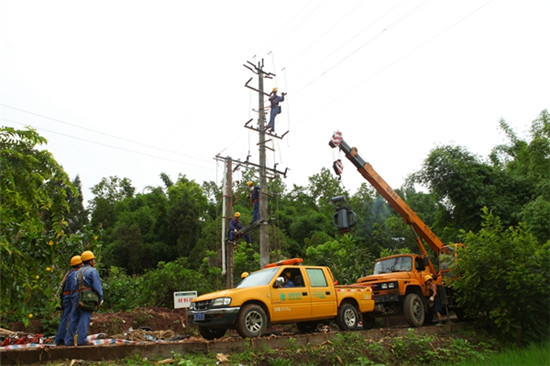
column 279, row 282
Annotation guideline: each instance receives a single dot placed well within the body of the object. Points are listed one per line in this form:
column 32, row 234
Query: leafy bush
column 505, row 281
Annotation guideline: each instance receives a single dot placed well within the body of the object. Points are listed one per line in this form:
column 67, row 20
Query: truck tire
column 413, row 308
column 251, row 321
column 348, row 317
column 211, row 333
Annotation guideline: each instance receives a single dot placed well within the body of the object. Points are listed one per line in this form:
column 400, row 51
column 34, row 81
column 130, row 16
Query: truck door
column 291, row 303
column 323, row 295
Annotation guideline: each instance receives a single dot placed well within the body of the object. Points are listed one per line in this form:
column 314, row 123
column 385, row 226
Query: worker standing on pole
column 274, row 99
column 254, row 197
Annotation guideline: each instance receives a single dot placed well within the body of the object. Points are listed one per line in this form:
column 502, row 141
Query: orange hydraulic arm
column 410, row 217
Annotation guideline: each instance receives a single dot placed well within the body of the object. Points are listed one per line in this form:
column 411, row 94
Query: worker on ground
column 80, row 319
column 274, row 99
column 234, row 226
column 68, row 287
column 254, row 197
column 434, row 297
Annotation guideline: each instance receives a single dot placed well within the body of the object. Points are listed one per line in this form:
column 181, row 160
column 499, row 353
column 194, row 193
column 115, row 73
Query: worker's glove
column 432, row 298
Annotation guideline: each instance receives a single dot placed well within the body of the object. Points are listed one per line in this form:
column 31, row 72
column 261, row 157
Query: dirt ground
column 154, row 319
column 111, row 324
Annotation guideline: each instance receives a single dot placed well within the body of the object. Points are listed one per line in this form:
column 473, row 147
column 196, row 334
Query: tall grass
column 533, row 355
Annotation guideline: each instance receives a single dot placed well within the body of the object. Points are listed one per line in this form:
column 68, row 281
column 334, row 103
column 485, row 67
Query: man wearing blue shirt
column 274, row 101
column 80, row 319
column 68, row 287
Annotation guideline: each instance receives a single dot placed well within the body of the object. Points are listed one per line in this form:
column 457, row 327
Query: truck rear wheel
column 413, row 308
column 211, row 333
column 347, row 317
column 251, row 321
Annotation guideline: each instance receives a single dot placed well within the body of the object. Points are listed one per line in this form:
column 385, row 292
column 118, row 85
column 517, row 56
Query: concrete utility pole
column 229, row 198
column 264, row 219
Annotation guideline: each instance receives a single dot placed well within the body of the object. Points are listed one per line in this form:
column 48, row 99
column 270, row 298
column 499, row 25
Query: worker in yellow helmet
column 235, row 226
column 254, row 197
column 68, row 287
column 80, row 318
column 274, row 101
column 434, row 297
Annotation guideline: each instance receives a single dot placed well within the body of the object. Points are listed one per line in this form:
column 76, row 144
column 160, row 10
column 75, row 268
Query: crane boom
column 410, row 217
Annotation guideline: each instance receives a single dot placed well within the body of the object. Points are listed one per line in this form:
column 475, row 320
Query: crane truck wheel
column 348, row 317
column 251, row 321
column 211, row 333
column 413, row 309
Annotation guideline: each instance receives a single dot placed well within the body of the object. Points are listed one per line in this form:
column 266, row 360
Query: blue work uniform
column 80, row 319
column 255, row 200
column 235, row 225
column 68, row 287
column 275, row 110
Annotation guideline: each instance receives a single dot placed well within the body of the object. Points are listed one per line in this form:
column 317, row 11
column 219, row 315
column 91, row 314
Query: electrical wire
column 97, row 132
column 111, row 146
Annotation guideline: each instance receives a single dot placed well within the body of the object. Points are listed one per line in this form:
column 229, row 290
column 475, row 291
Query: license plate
column 198, row 316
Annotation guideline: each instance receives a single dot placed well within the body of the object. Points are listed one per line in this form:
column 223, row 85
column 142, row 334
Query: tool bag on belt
column 88, row 299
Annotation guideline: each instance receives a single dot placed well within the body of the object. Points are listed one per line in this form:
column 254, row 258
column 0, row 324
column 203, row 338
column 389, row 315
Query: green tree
column 33, row 192
column 346, row 261
column 505, row 280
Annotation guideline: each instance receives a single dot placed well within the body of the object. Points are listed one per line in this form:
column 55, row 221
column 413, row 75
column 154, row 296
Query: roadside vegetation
column 166, row 238
column 352, row 349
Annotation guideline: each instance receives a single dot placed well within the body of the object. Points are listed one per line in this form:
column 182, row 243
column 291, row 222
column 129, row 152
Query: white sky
column 137, row 88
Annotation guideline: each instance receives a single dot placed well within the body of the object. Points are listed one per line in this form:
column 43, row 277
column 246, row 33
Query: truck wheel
column 306, row 327
column 413, row 308
column 211, row 333
column 251, row 321
column 347, row 317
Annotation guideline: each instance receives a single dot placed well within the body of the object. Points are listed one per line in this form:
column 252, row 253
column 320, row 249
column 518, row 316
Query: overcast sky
column 138, row 88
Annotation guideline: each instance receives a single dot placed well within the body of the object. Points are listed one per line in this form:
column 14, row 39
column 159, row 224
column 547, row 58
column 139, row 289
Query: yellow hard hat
column 87, row 255
column 275, row 90
column 76, row 260
column 249, row 183
column 427, row 278
column 244, row 274
column 237, row 214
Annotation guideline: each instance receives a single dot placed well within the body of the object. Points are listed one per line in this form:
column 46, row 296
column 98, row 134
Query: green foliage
column 342, row 256
column 505, row 281
column 124, row 292
column 514, row 184
column 34, row 247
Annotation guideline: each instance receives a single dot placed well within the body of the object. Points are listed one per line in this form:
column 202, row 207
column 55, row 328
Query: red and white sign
column 183, row 299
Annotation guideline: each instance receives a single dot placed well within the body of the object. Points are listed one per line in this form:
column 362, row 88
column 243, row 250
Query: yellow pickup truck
column 283, row 292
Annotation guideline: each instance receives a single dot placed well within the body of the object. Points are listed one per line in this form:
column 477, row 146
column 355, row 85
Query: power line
column 395, row 61
column 112, row 146
column 98, row 132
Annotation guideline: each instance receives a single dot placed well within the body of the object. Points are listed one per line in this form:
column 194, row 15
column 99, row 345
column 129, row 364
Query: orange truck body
column 259, row 301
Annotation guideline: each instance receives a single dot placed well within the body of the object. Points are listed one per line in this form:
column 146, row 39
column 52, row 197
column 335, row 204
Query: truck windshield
column 397, row 264
column 259, row 278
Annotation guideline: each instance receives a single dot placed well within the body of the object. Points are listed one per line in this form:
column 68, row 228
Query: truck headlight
column 221, row 301
column 388, row 285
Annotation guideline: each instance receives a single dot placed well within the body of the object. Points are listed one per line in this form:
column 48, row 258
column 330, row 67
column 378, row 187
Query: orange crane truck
column 282, row 292
column 398, row 281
